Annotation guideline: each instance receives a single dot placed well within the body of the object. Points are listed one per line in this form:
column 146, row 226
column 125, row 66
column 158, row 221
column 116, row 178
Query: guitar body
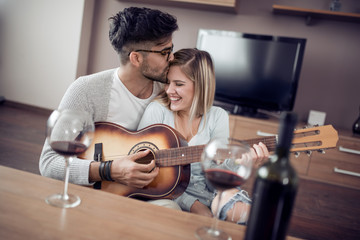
column 118, row 141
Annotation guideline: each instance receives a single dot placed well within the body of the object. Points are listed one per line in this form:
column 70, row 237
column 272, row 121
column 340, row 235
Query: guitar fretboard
column 269, row 141
column 187, row 155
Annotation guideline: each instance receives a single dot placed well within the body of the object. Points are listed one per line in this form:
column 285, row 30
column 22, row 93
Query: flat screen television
column 254, row 72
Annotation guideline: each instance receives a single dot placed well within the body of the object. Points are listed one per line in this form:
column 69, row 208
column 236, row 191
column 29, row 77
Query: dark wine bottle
column 275, row 189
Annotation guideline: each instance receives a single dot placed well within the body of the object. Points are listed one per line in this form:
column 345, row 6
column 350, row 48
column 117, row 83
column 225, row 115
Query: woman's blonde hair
column 198, row 66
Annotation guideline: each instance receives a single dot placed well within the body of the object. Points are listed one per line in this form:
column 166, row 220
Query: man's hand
column 126, row 171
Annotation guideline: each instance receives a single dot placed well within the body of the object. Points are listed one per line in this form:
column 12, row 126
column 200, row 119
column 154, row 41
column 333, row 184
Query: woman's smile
column 180, row 90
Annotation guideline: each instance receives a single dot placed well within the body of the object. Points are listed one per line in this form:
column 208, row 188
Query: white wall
column 39, row 48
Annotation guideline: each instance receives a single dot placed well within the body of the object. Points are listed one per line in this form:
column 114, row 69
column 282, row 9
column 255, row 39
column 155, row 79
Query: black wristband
column 101, row 170
column 108, row 171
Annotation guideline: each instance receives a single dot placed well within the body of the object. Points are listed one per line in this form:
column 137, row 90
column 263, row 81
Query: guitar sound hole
column 142, row 146
column 147, row 159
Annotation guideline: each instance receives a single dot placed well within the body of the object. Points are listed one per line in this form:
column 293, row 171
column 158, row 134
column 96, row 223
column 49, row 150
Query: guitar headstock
column 314, row 139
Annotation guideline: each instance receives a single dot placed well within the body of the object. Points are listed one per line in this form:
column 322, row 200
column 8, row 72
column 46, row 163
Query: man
column 142, row 37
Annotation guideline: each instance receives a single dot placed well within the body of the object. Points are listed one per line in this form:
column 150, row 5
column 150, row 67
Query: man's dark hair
column 135, row 25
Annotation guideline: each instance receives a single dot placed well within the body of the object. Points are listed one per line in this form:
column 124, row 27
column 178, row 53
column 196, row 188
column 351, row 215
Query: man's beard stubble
column 147, row 73
column 162, row 78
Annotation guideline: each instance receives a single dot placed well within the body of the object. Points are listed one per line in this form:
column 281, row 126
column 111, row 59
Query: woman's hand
column 259, row 153
column 200, row 209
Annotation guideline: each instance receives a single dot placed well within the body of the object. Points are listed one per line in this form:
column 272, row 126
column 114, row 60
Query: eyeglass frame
column 163, row 52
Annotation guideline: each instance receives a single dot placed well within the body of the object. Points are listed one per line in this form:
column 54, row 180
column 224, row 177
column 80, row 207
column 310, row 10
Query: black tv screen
column 254, row 71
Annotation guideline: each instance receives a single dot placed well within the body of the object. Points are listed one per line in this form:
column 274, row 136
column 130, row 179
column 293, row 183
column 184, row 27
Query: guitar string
column 172, row 156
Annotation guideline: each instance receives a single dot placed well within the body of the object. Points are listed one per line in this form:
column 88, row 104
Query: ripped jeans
column 198, row 190
column 237, row 208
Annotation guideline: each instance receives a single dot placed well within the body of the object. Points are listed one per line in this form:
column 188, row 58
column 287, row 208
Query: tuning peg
column 297, row 154
column 309, row 153
column 322, row 151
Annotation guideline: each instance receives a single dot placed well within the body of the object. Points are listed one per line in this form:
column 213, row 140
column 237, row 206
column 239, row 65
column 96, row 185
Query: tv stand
column 245, row 111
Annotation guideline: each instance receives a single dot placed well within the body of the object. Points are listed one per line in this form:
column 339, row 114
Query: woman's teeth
column 175, row 98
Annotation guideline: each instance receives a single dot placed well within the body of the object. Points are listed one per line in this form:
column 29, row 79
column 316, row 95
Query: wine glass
column 69, row 133
column 226, row 165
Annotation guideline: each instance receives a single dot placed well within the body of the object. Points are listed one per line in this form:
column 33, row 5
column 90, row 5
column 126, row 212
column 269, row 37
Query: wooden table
column 25, row 215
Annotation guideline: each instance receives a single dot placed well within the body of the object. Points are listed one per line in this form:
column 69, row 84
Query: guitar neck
column 187, row 155
column 305, row 140
column 269, row 141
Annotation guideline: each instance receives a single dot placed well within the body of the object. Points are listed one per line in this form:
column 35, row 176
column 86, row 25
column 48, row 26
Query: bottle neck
column 282, row 155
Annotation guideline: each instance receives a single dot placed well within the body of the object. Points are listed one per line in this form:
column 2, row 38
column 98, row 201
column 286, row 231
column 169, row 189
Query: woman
column 186, row 105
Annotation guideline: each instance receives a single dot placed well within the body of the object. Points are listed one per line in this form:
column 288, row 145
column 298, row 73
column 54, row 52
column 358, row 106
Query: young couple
column 142, row 37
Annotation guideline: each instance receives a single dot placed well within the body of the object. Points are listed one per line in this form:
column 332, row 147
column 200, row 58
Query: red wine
column 223, row 179
column 274, row 190
column 68, row 148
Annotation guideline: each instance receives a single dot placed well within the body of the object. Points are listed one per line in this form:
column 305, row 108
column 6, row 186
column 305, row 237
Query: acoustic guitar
column 173, row 156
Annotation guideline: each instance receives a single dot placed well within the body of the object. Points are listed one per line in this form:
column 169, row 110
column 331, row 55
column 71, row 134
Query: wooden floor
column 322, row 211
column 22, row 136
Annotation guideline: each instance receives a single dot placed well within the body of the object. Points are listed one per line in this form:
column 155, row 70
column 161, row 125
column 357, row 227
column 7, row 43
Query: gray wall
column 330, row 77
column 37, row 65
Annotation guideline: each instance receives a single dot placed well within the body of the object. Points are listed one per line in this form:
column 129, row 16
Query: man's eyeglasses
column 164, row 52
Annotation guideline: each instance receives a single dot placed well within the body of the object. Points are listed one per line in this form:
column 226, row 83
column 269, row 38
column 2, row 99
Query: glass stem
column 217, row 214
column 66, row 180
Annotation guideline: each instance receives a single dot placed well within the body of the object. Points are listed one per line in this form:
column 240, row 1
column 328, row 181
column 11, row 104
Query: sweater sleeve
column 82, row 94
